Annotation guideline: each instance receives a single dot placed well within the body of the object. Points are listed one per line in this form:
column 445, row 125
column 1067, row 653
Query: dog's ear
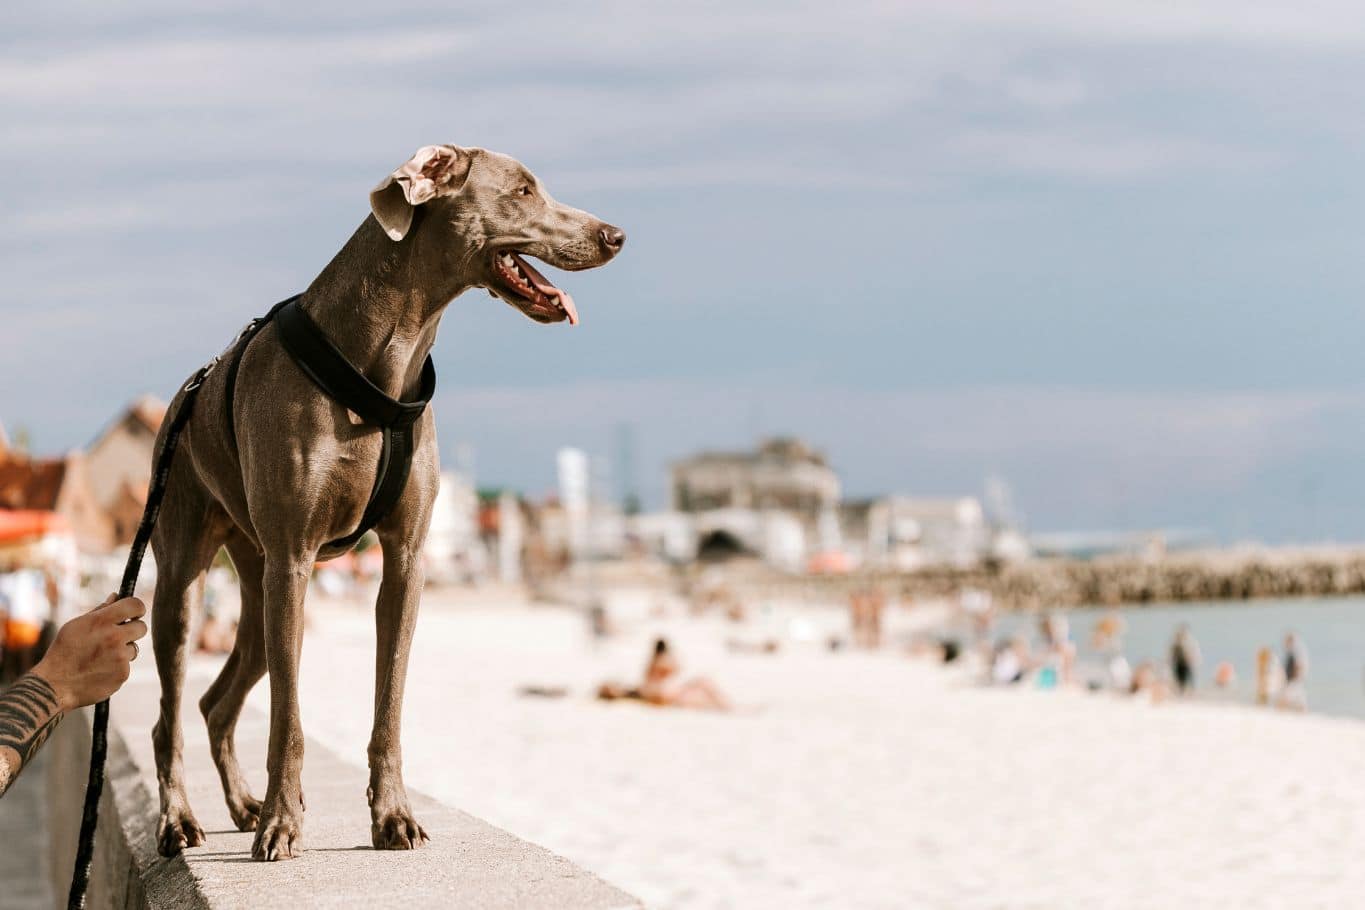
column 431, row 170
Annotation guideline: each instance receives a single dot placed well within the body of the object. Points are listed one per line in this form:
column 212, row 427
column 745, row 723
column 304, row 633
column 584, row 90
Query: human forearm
column 29, row 710
column 87, row 662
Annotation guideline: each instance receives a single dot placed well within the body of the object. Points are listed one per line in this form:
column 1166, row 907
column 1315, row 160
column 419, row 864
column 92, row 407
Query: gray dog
column 285, row 469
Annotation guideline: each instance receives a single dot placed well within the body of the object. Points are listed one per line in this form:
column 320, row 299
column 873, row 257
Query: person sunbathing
column 662, row 689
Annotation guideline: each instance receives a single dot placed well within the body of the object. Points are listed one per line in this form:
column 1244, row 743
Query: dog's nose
column 613, row 238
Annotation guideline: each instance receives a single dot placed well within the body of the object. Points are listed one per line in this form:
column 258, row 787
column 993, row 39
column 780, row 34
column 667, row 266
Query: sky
column 1106, row 252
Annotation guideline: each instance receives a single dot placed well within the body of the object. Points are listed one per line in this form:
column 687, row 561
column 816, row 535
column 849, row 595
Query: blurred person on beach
column 1147, row 681
column 1118, row 672
column 1058, row 648
column 1011, row 661
column 1055, row 629
column 662, row 688
column 1107, row 635
column 865, row 616
column 88, row 661
column 218, row 631
column 599, row 623
column 1185, row 659
column 216, row 636
column 979, row 608
column 1294, row 696
column 1267, row 675
column 1225, row 675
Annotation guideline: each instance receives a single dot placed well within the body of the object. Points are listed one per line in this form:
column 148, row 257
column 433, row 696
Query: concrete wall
column 468, row 863
column 126, row 872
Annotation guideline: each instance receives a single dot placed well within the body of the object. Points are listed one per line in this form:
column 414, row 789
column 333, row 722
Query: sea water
column 1332, row 630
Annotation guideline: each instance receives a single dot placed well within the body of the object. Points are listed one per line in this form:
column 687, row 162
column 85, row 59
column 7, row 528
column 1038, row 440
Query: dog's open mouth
column 530, row 292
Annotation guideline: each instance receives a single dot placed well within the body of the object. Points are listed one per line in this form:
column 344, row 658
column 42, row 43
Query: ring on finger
column 136, row 650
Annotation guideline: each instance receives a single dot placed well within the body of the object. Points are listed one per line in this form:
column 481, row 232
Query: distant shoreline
column 1217, row 575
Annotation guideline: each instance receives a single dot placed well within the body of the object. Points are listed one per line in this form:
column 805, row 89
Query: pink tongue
column 567, row 303
column 549, row 290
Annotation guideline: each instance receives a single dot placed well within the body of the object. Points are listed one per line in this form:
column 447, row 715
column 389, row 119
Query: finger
column 133, row 630
column 128, row 608
column 107, row 601
column 133, row 651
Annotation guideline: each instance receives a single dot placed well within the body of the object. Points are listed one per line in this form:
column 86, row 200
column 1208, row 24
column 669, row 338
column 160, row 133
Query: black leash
column 99, row 733
column 331, row 372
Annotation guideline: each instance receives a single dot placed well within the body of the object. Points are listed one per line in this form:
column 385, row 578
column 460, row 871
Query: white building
column 782, row 473
column 453, row 551
column 671, row 535
column 905, row 533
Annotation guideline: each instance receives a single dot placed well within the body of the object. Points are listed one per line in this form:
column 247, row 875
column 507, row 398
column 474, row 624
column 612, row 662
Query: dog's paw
column 279, row 835
column 176, row 831
column 245, row 812
column 397, row 830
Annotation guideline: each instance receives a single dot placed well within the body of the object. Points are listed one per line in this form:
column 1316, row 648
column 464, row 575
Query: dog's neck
column 380, row 302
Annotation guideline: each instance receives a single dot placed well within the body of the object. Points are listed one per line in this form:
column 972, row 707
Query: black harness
column 331, row 372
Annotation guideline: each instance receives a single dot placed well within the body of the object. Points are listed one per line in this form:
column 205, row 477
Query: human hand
column 89, row 659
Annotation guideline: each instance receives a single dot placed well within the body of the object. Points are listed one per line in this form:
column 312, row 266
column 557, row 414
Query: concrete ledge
column 468, row 863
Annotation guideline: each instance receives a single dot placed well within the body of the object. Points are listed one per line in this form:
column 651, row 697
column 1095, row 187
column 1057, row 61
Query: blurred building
column 779, row 537
column 670, row 535
column 782, row 473
column 59, row 486
column 905, row 533
column 99, row 493
column 454, row 550
column 776, row 503
column 119, row 464
column 594, row 530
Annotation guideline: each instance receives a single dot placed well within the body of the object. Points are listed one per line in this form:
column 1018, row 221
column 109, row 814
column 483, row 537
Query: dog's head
column 496, row 213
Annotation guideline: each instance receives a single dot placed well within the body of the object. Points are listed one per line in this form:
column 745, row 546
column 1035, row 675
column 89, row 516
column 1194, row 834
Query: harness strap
column 330, row 371
column 238, row 350
column 395, row 463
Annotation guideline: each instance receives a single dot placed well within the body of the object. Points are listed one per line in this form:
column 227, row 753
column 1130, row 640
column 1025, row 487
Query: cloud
column 1098, row 155
column 159, row 204
column 1312, row 25
column 998, row 226
column 1050, row 93
column 1165, row 446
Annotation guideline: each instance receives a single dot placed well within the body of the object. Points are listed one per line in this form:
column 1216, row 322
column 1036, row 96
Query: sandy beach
column 848, row 779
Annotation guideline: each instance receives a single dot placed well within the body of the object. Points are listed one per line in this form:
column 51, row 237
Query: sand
column 851, row 779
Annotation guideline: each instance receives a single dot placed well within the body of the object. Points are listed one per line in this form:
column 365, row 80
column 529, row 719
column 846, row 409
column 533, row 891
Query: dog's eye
column 525, row 190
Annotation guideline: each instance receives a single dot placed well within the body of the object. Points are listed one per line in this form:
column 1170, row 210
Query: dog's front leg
column 392, row 826
column 279, row 833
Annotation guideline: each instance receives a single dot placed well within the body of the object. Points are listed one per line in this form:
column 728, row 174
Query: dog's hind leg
column 187, row 535
column 222, row 703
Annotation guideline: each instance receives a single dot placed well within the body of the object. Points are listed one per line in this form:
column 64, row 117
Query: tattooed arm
column 29, row 710
column 87, row 662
